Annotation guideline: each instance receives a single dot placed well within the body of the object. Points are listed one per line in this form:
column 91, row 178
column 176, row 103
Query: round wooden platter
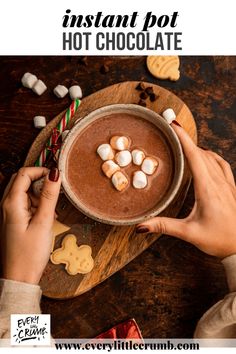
column 112, row 247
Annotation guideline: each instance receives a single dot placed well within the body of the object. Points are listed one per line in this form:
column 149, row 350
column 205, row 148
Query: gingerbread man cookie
column 164, row 67
column 77, row 259
column 57, row 229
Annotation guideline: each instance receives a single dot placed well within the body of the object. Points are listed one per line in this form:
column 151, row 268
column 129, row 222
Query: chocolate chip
column 142, row 103
column 104, row 69
column 143, row 95
column 83, row 61
column 153, row 97
column 149, row 90
column 140, row 87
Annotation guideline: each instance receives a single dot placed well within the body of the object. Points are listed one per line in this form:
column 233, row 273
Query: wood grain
column 115, row 247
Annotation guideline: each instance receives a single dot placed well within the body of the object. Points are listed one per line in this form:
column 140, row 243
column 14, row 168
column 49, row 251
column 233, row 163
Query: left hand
column 26, row 233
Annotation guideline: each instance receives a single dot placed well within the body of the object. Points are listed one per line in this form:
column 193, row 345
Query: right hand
column 211, row 225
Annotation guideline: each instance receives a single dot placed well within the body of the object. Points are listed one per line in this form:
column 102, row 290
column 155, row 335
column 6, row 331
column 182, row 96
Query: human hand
column 26, row 233
column 211, row 224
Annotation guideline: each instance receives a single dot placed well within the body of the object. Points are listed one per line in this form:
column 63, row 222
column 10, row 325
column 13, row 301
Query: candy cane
column 62, row 125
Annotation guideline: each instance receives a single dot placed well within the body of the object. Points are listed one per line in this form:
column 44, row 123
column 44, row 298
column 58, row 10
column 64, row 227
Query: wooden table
column 169, row 286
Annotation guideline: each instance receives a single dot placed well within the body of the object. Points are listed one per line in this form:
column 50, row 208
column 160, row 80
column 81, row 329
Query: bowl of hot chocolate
column 121, row 164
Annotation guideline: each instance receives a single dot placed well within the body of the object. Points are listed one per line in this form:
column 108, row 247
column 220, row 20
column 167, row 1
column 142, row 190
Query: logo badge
column 30, row 330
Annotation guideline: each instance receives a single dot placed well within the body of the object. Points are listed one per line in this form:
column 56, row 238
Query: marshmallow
column 105, row 152
column 138, row 157
column 120, row 143
column 64, row 134
column 60, row 91
column 37, row 186
column 39, row 87
column 149, row 165
column 28, row 80
column 119, row 181
column 169, row 115
column 139, row 180
column 39, row 122
column 123, row 158
column 109, row 167
column 75, row 92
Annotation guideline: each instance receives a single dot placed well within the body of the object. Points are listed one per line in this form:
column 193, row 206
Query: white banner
column 128, row 346
column 121, row 27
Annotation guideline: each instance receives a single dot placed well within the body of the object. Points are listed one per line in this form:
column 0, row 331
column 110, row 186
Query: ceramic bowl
column 147, row 114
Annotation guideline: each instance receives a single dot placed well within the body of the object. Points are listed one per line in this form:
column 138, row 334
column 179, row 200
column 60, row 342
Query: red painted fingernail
column 53, row 174
column 176, row 123
column 141, row 230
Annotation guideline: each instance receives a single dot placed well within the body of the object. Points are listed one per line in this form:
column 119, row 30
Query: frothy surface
column 94, row 190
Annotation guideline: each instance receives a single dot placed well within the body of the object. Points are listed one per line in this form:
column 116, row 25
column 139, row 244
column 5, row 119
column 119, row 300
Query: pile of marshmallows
column 38, row 86
column 116, row 155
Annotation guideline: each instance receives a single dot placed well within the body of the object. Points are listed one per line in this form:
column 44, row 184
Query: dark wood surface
column 170, row 285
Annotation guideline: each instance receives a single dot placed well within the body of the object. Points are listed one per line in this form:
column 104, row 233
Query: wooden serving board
column 112, row 247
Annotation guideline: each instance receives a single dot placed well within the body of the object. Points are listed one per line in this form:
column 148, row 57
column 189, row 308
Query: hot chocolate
column 95, row 191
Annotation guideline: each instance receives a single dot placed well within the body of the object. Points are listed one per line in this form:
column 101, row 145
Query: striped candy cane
column 62, row 125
